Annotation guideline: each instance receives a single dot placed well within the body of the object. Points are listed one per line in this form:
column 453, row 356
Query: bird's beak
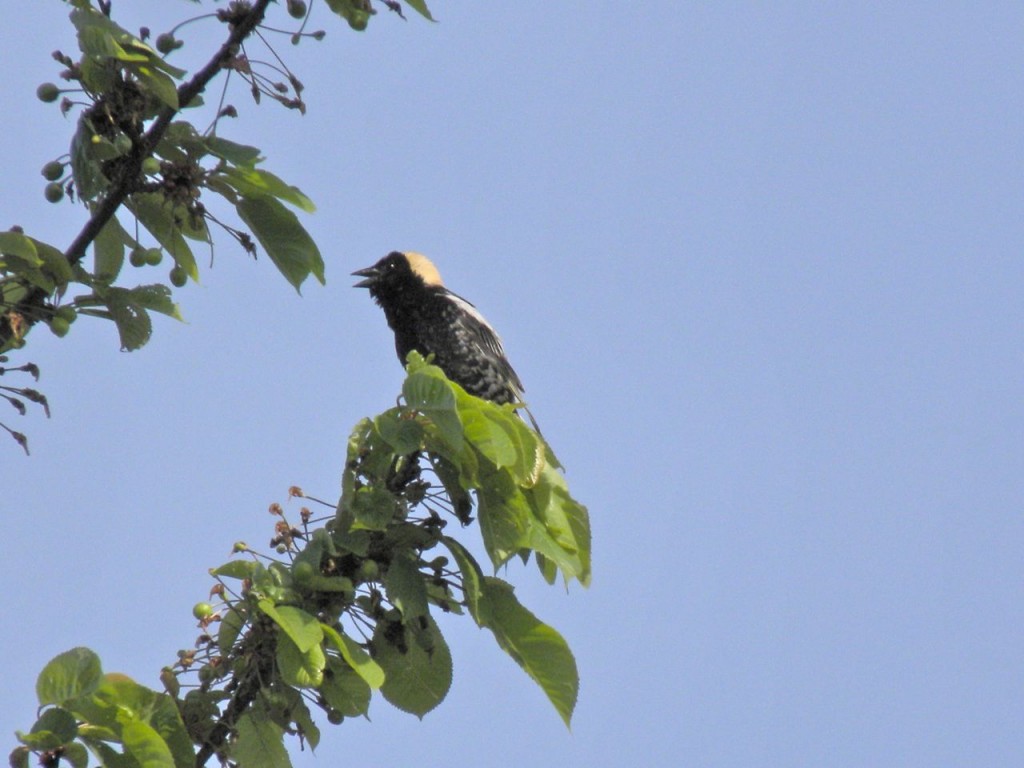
column 370, row 273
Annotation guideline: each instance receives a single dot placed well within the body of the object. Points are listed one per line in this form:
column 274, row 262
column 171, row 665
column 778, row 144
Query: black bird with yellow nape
column 433, row 320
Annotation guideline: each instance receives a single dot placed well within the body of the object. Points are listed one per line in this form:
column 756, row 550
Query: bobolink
column 429, row 318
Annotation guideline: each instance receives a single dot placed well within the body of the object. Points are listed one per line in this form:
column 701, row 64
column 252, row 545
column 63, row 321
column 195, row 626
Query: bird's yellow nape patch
column 424, row 267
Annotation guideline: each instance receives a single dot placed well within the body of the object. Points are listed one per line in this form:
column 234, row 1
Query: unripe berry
column 297, row 8
column 154, row 256
column 178, row 277
column 59, row 326
column 137, row 258
column 54, row 192
column 47, row 92
column 53, row 170
column 165, row 43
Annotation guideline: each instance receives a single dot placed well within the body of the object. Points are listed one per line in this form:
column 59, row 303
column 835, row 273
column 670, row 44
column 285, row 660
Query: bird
column 428, row 317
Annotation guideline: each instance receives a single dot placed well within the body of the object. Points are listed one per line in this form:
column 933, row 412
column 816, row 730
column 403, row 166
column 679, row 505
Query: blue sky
column 759, row 267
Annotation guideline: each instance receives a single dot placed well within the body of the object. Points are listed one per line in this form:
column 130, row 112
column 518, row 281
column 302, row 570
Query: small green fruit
column 165, row 43
column 59, row 326
column 48, row 92
column 68, row 313
column 303, row 572
column 297, row 9
column 54, row 192
column 202, row 611
column 369, row 570
column 151, row 166
column 178, row 277
column 154, row 256
column 53, row 170
column 137, row 258
column 334, row 717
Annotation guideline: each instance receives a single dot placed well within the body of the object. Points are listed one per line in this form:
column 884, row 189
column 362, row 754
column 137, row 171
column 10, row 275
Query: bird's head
column 398, row 271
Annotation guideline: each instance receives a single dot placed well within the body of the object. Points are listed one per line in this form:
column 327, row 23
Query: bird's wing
column 483, row 333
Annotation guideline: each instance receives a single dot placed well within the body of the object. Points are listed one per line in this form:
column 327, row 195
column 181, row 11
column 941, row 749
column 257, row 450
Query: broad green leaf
column 158, row 216
column 536, row 647
column 85, row 170
column 124, row 700
column 490, row 437
column 259, row 743
column 427, row 391
column 157, row 83
column 301, row 627
column 472, row 577
column 403, row 434
column 406, row 587
column 108, row 251
column 415, row 681
column 301, row 668
column 284, row 239
column 236, row 569
column 133, row 323
column 76, row 755
column 54, row 728
column 156, row 297
column 344, row 689
column 256, row 182
column 353, row 11
column 238, row 154
column 72, row 674
column 421, row 8
column 231, row 624
column 54, row 262
column 505, row 517
column 296, row 711
column 143, row 743
column 356, row 656
column 17, row 244
column 374, row 508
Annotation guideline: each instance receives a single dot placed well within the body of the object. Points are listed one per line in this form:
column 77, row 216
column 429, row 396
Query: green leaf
column 356, row 656
column 76, row 755
column 255, row 182
column 259, row 743
column 54, row 728
column 356, row 12
column 344, row 689
column 54, row 262
column 133, row 323
column 236, row 569
column 403, row 434
column 301, row 668
column 284, row 239
column 17, row 244
column 143, row 743
column 415, row 681
column 108, row 251
column 303, row 629
column 421, row 8
column 374, row 508
column 406, row 587
column 157, row 83
column 156, row 297
column 427, row 391
column 231, row 625
column 472, row 577
column 68, row 676
column 505, row 517
column 238, row 154
column 158, row 216
column 536, row 647
column 89, row 180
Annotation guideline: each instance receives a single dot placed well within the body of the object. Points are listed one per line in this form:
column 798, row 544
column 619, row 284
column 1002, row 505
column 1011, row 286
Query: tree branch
column 186, row 92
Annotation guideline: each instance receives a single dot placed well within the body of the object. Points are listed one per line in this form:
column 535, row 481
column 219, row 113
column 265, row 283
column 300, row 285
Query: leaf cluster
column 348, row 608
column 154, row 184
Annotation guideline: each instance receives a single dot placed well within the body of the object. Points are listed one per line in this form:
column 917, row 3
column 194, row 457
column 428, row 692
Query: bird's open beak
column 370, row 273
